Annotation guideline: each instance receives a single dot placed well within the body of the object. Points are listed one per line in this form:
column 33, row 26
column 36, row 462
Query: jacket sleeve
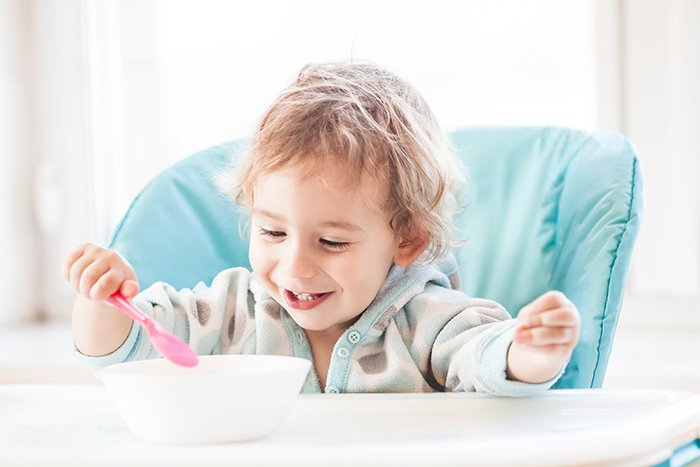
column 469, row 343
column 202, row 317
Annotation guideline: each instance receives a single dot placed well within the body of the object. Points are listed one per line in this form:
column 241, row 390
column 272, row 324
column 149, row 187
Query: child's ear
column 409, row 249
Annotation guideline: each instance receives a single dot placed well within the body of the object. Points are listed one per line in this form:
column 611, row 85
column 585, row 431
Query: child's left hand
column 544, row 339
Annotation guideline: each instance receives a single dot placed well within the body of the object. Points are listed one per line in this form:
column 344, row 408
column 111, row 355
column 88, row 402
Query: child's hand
column 545, row 338
column 96, row 273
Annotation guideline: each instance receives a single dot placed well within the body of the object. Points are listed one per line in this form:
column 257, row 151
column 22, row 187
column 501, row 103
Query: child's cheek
column 259, row 259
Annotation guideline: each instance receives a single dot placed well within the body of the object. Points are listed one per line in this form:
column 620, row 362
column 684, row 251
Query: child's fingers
column 556, row 317
column 76, row 270
column 70, row 259
column 553, row 349
column 544, row 336
column 129, row 288
column 106, row 285
column 91, row 275
column 547, row 301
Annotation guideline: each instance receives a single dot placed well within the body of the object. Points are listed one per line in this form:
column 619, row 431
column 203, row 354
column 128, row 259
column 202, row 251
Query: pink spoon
column 165, row 343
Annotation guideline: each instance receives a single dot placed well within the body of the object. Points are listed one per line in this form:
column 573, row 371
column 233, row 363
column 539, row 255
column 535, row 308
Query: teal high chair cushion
column 546, row 208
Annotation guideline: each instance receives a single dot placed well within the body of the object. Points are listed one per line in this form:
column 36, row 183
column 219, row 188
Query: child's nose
column 298, row 263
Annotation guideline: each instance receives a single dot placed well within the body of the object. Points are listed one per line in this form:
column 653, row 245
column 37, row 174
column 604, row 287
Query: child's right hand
column 96, row 273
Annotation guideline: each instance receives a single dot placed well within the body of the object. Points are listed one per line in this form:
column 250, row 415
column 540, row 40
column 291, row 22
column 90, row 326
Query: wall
column 47, row 201
column 17, row 257
column 661, row 114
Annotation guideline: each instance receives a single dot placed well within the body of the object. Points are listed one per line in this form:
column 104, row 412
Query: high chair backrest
column 545, row 208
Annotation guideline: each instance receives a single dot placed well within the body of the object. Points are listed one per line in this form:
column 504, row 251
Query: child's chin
column 309, row 326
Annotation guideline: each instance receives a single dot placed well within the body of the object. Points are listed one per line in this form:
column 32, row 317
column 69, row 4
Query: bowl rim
column 119, row 369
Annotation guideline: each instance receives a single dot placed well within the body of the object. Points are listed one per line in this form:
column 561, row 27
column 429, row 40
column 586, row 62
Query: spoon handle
column 168, row 345
column 119, row 301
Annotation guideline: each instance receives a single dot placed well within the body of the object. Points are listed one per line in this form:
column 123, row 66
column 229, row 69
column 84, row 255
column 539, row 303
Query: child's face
column 322, row 253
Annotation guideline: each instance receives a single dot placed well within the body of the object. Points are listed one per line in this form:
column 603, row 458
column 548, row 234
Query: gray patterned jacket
column 418, row 335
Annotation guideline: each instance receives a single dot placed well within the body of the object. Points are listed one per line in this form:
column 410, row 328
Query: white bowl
column 225, row 398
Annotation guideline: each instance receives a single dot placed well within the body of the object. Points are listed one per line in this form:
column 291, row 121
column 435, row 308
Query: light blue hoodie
column 418, row 335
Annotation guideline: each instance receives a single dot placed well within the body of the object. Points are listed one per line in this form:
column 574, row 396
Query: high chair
column 546, row 208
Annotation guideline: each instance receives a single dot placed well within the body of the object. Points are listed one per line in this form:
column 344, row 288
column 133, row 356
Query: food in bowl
column 225, row 398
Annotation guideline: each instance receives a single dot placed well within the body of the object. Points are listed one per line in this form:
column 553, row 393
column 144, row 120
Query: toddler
column 350, row 186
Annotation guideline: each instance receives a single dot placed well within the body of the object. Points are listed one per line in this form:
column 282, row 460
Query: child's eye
column 271, row 233
column 335, row 245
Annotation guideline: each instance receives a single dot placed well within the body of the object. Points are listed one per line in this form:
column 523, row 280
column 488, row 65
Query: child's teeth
column 305, row 296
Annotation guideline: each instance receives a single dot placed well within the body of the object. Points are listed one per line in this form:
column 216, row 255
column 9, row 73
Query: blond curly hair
column 366, row 120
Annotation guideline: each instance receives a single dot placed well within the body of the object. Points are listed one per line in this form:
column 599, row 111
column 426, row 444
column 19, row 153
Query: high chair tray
column 78, row 425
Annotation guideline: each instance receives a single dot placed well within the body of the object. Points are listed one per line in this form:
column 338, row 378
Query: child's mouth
column 303, row 300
